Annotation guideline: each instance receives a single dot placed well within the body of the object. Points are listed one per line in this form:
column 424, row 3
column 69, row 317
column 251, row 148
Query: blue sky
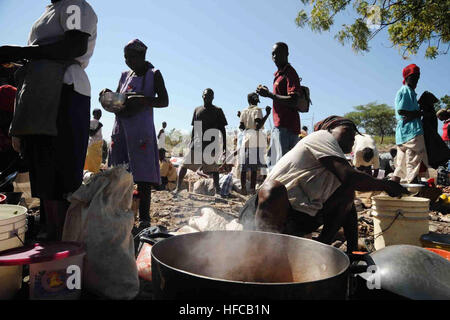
column 226, row 45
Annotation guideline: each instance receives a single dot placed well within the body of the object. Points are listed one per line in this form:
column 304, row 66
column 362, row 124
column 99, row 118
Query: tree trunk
column 382, row 135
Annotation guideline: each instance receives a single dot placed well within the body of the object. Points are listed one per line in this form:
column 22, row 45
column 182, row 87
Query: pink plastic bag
column 144, row 262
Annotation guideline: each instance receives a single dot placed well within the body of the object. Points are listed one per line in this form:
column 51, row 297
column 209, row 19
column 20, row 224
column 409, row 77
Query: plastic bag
column 144, row 262
column 100, row 216
column 209, row 220
column 147, row 238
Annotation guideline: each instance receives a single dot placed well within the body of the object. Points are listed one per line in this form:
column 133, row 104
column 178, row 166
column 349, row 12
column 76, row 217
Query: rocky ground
column 174, row 212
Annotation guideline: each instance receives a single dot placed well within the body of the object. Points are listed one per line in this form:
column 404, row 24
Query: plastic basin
column 13, row 224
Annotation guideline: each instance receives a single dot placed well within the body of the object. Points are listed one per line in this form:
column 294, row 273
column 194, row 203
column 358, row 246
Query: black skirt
column 56, row 163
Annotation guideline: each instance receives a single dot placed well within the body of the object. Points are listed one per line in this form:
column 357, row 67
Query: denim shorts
column 281, row 142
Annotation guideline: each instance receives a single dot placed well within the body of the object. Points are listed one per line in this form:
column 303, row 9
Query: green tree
column 410, row 23
column 375, row 119
column 173, row 138
column 445, row 101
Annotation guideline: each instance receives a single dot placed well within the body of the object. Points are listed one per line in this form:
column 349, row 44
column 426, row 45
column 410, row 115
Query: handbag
column 304, row 101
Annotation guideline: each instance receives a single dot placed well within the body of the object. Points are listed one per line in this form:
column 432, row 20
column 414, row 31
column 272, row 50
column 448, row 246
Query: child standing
column 95, row 146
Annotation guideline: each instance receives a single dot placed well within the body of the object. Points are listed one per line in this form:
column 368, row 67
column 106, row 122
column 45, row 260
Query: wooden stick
column 239, row 196
column 214, row 198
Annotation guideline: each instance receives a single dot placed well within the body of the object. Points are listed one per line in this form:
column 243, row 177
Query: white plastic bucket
column 399, row 221
column 13, row 224
column 58, row 279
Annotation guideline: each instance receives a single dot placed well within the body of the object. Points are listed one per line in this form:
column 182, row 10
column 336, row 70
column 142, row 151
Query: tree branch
column 338, row 10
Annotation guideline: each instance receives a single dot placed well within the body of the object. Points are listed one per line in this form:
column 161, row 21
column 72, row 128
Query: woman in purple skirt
column 133, row 140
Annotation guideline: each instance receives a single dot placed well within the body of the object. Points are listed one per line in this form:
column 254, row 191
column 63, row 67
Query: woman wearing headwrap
column 51, row 117
column 313, row 185
column 133, row 140
column 409, row 134
column 332, row 122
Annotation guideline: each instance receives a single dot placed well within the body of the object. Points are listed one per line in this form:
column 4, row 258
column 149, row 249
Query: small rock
column 433, row 227
column 434, row 218
column 315, row 234
column 164, row 213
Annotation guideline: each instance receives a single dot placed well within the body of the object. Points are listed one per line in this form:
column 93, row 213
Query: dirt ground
column 174, row 213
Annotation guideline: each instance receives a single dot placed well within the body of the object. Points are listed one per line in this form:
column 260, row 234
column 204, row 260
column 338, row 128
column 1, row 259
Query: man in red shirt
column 286, row 92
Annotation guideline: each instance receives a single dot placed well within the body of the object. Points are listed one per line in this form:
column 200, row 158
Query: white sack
column 100, row 217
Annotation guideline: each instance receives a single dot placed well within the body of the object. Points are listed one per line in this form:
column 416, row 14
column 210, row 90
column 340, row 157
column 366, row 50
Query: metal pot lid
column 410, row 271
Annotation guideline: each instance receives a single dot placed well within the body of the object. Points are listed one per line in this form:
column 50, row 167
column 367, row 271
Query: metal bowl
column 413, row 188
column 113, row 101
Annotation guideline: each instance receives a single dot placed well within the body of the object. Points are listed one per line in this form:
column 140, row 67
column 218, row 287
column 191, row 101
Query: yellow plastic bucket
column 399, row 221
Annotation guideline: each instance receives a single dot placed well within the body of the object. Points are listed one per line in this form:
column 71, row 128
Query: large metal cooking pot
column 246, row 265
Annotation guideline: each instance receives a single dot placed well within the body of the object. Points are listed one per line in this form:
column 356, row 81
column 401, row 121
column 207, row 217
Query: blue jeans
column 281, row 142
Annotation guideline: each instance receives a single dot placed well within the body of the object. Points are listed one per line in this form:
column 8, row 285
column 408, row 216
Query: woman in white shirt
column 66, row 32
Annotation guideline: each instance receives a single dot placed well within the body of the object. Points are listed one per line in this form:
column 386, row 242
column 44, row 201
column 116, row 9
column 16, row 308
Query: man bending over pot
column 314, row 185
